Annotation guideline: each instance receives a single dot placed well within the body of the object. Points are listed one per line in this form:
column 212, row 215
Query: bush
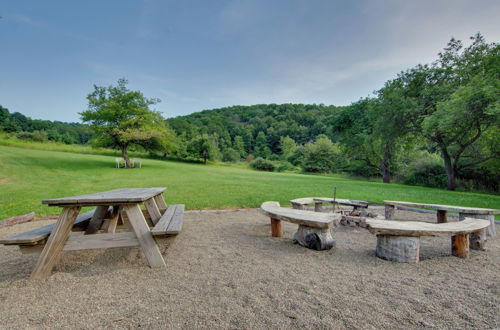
column 285, row 166
column 230, row 155
column 427, row 170
column 262, row 164
column 323, row 156
column 39, row 136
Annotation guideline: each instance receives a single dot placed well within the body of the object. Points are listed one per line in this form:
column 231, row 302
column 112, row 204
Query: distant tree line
column 26, row 128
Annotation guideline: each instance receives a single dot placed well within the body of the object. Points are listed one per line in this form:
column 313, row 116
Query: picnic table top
column 342, row 201
column 459, row 209
column 111, row 197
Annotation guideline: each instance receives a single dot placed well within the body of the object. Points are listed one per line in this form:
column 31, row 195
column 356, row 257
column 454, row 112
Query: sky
column 197, row 55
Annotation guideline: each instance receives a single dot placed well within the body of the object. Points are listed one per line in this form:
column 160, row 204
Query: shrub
column 262, row 164
column 230, row 155
column 285, row 166
column 427, row 170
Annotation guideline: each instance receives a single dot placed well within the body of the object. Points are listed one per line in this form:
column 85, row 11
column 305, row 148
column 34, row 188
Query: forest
column 435, row 124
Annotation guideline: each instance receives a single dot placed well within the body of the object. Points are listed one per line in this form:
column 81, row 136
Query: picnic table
column 127, row 201
column 442, row 210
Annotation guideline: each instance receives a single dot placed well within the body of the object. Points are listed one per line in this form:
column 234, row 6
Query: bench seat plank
column 416, row 228
column 36, row 235
column 171, row 221
column 459, row 209
column 300, row 217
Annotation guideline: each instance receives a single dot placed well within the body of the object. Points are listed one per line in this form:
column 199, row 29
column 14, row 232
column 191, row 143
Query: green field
column 27, row 176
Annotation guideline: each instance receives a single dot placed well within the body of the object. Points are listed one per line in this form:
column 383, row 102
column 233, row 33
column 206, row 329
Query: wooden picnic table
column 442, row 210
column 119, row 200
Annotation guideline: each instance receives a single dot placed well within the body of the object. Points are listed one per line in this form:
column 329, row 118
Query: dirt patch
column 225, row 271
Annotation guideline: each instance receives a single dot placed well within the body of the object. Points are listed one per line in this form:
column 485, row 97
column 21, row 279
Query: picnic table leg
column 50, row 254
column 160, row 202
column 441, row 216
column 109, row 225
column 153, row 210
column 276, row 228
column 146, row 240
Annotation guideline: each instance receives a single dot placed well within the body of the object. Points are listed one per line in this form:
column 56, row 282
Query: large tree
column 121, row 119
column 463, row 105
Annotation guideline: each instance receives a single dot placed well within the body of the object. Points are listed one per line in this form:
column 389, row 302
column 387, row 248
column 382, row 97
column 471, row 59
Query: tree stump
column 460, row 245
column 477, row 240
column 398, row 248
column 318, row 206
column 389, row 211
column 314, row 238
column 276, row 228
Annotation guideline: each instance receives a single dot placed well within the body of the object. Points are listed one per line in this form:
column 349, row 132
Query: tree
column 465, row 105
column 121, row 118
column 287, row 146
column 322, row 156
column 205, row 147
column 239, row 146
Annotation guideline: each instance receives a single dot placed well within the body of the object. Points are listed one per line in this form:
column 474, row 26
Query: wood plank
column 17, row 219
column 161, row 227
column 50, row 254
column 154, row 212
column 39, row 234
column 113, row 221
column 78, row 241
column 160, row 202
column 175, row 225
column 341, row 201
column 453, row 208
column 97, row 220
column 415, row 228
column 301, row 217
column 146, row 240
column 111, row 197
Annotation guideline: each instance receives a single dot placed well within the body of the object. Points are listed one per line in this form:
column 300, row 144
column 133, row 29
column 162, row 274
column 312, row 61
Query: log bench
column 400, row 240
column 301, row 203
column 314, row 230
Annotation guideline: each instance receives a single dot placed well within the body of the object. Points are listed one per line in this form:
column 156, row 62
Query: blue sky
column 197, row 55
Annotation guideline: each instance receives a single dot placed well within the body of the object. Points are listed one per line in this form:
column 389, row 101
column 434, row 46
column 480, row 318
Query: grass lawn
column 27, row 176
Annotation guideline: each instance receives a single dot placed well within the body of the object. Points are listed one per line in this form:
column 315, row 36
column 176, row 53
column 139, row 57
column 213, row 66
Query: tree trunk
column 125, row 156
column 450, row 170
column 386, row 169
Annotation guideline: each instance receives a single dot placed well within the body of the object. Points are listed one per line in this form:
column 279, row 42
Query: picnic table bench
column 463, row 212
column 314, row 230
column 400, row 240
column 100, row 226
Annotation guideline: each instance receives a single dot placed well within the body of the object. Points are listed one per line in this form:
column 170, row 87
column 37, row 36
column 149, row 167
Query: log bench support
column 389, row 211
column 276, row 228
column 398, row 248
column 460, row 245
column 314, row 238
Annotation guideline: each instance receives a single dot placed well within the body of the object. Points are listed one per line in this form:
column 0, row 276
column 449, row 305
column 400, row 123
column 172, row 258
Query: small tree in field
column 121, row 118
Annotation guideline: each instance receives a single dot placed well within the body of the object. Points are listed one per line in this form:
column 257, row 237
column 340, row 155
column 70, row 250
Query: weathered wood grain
column 55, row 243
column 301, row 217
column 160, row 202
column 153, row 210
column 175, row 225
column 415, row 228
column 112, row 197
column 17, row 219
column 171, row 221
column 39, row 234
column 78, row 241
column 314, row 238
column 398, row 248
column 97, row 220
column 460, row 245
column 276, row 228
column 452, row 208
column 146, row 240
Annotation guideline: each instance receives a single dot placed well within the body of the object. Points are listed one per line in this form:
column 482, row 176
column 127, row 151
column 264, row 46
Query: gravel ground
column 225, row 271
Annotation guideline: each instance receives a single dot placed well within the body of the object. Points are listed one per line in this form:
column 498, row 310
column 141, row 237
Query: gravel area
column 224, row 270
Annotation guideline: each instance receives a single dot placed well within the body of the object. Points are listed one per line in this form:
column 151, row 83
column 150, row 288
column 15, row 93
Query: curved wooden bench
column 314, row 228
column 400, row 240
